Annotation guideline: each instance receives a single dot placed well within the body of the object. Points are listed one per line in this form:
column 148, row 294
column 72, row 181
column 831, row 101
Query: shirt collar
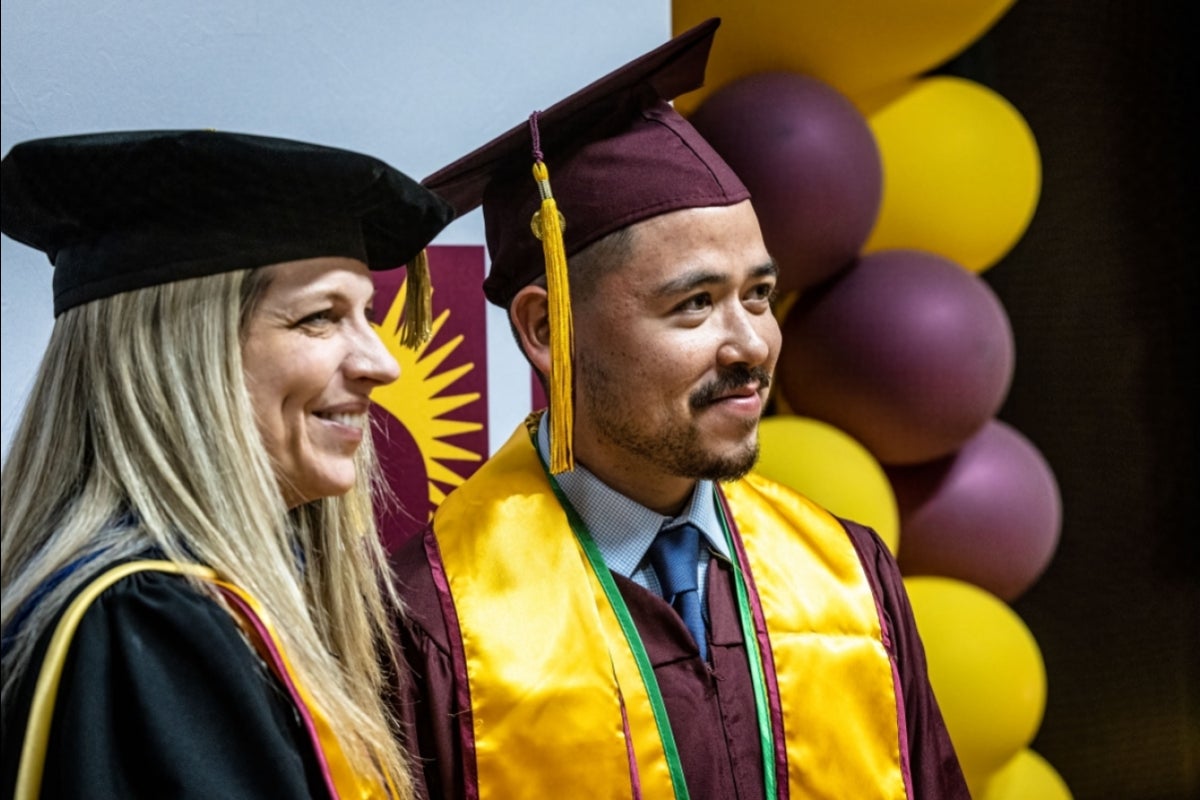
column 623, row 528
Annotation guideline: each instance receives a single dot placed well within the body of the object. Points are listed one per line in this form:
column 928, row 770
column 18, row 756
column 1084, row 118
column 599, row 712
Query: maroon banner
column 431, row 424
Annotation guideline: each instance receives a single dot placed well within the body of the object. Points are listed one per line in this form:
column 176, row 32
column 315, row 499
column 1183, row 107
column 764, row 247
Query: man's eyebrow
column 694, row 280
column 769, row 269
column 688, row 282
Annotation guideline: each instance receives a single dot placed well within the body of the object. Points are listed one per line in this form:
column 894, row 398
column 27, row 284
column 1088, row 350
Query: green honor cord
column 632, row 637
column 638, row 649
column 762, row 706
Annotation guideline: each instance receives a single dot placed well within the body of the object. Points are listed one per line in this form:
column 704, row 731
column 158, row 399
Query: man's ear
column 529, row 313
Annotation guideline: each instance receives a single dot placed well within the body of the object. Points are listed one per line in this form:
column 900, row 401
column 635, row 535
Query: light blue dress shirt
column 624, row 529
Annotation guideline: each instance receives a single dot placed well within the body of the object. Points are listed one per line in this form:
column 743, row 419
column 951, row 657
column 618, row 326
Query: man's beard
column 678, row 449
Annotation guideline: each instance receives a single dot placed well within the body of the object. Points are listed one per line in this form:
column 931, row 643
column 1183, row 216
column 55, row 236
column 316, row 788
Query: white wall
column 415, row 83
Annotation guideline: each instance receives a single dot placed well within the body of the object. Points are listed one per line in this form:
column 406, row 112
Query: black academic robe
column 711, row 707
column 162, row 697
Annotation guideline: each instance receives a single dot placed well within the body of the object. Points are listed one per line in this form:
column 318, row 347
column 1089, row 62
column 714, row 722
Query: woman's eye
column 316, row 318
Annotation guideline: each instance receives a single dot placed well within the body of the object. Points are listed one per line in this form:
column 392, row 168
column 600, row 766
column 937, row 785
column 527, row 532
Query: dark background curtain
column 1102, row 295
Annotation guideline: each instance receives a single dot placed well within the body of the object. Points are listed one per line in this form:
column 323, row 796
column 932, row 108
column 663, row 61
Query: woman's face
column 311, row 359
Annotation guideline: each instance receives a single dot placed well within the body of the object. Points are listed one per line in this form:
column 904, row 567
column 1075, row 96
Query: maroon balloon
column 810, row 162
column 906, row 351
column 989, row 514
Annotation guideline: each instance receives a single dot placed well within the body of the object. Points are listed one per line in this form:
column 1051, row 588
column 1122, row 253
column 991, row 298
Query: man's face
column 674, row 353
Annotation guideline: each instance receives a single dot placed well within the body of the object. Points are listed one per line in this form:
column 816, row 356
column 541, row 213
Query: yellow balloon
column 986, row 670
column 1027, row 776
column 853, row 45
column 961, row 172
column 784, row 303
column 831, row 468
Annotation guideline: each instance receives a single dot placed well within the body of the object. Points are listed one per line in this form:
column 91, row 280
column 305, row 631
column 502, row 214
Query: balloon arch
column 883, row 193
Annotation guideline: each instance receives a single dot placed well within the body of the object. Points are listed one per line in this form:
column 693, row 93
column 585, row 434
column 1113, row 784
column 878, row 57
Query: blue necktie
column 674, row 556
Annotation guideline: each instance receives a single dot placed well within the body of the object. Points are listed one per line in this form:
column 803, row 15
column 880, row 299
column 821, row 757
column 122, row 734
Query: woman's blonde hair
column 139, row 433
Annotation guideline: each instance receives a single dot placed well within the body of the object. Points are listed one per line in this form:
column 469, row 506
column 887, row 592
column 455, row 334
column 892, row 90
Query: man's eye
column 764, row 292
column 697, row 302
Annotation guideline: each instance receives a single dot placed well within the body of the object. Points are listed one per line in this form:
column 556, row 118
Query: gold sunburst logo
column 417, row 402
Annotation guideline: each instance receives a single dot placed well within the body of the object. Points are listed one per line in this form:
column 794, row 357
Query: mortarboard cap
column 120, row 211
column 616, row 153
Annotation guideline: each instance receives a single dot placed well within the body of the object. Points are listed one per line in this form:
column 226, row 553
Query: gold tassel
column 418, row 304
column 548, row 226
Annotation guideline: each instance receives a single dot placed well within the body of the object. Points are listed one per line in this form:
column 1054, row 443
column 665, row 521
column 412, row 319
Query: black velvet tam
column 121, row 211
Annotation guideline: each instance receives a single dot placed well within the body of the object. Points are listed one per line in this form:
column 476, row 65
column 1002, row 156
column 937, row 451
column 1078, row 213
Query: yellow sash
column 836, row 680
column 548, row 666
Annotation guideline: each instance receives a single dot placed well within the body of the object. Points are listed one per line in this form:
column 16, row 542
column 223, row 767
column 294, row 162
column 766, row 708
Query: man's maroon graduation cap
column 615, row 153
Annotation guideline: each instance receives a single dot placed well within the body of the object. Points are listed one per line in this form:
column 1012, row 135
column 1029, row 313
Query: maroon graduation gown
column 711, row 708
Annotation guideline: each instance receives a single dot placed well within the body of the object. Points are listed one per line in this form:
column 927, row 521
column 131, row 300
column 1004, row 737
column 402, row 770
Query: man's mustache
column 731, row 380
